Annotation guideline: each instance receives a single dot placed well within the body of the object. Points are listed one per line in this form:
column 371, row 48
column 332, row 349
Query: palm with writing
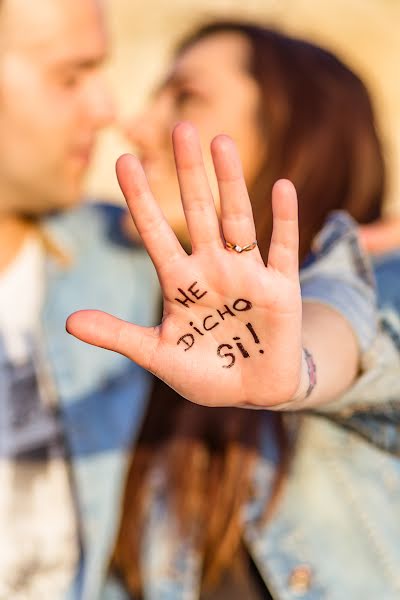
column 231, row 326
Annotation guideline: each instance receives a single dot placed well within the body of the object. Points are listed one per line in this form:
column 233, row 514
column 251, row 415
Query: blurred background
column 365, row 33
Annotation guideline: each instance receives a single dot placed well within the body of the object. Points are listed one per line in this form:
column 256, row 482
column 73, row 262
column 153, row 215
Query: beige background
column 365, row 33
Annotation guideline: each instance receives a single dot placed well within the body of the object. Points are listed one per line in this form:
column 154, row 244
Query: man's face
column 52, row 100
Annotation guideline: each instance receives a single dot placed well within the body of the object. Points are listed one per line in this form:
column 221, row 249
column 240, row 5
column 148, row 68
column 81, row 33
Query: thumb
column 101, row 329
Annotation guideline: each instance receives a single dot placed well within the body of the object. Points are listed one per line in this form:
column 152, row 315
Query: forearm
column 333, row 347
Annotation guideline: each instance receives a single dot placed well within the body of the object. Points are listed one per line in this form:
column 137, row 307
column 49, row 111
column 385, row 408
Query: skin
column 199, row 88
column 53, row 101
column 275, row 379
column 382, row 236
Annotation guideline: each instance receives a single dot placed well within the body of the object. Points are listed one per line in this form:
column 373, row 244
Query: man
column 58, row 399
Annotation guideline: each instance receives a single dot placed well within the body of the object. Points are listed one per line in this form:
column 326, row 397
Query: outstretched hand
column 231, row 327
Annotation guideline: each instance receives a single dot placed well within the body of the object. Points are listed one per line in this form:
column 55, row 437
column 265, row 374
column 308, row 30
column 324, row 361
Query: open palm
column 231, row 327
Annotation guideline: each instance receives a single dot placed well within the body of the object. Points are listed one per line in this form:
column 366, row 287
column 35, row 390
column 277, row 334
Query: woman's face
column 210, row 86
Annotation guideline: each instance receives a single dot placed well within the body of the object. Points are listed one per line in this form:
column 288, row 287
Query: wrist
column 308, row 380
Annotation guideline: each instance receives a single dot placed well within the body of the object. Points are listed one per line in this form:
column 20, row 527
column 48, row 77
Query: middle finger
column 197, row 200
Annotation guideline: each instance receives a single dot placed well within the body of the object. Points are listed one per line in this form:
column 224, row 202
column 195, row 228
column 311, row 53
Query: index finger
column 160, row 241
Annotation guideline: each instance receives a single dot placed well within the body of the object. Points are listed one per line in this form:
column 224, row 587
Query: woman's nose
column 144, row 129
column 149, row 127
column 135, row 129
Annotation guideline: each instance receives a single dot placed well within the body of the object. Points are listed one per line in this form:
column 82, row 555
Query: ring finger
column 236, row 212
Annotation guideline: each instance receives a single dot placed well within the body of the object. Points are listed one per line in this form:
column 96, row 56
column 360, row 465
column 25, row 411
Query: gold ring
column 240, row 249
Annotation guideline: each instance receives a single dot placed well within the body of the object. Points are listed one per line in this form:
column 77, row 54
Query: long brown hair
column 320, row 133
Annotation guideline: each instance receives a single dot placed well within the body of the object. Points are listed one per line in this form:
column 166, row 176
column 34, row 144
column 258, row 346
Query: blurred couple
column 113, row 485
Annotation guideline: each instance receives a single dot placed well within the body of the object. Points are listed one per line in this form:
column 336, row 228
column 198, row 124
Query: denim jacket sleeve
column 341, row 276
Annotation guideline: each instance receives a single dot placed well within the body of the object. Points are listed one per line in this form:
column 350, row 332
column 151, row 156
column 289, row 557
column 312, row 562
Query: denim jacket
column 336, row 532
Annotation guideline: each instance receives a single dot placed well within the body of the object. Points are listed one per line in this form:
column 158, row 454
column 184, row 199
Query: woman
column 221, row 501
column 298, row 113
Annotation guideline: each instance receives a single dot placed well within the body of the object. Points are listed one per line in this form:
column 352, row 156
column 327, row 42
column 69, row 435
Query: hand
column 381, row 236
column 231, row 327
